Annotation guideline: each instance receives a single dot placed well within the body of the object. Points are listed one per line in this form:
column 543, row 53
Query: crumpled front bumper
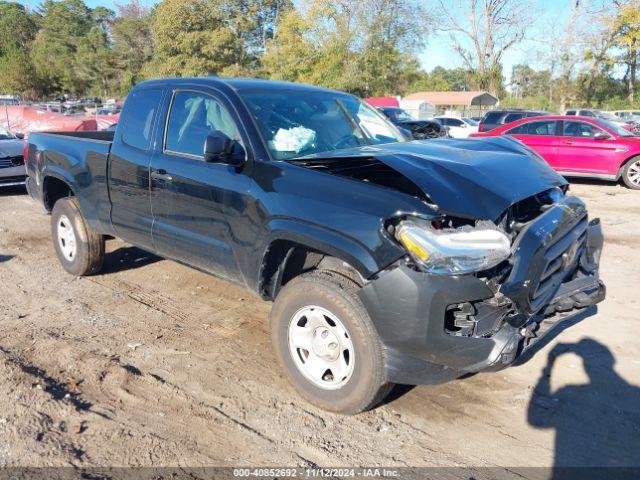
column 489, row 328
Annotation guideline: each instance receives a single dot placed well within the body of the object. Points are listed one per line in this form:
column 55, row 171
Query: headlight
column 454, row 251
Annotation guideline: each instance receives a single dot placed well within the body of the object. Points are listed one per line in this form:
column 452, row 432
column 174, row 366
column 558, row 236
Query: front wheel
column 80, row 249
column 631, row 173
column 326, row 342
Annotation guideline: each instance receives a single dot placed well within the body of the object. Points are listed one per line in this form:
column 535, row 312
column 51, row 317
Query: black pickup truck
column 387, row 261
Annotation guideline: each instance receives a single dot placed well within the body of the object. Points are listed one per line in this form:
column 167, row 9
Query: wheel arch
column 288, row 256
column 55, row 187
column 624, row 164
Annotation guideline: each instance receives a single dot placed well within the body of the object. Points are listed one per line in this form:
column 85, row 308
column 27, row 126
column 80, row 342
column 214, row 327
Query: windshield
column 471, row 121
column 5, row 134
column 617, row 129
column 397, row 114
column 298, row 123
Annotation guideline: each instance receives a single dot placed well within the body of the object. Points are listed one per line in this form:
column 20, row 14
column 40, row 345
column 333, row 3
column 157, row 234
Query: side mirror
column 19, row 135
column 601, row 136
column 218, row 148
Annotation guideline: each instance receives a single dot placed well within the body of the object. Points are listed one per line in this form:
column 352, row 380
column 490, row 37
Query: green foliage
column 16, row 74
column 17, row 28
column 70, row 52
column 132, row 45
column 191, row 38
column 362, row 47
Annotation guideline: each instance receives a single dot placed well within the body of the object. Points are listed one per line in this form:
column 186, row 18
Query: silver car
column 12, row 170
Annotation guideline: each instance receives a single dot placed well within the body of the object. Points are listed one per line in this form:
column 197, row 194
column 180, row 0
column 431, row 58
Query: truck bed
column 79, row 159
column 102, row 136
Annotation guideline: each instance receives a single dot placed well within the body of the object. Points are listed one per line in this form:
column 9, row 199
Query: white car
column 459, row 127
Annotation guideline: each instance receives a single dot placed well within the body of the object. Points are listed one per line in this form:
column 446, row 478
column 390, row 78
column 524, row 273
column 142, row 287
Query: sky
column 438, row 51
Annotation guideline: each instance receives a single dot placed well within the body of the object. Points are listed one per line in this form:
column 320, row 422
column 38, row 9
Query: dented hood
column 474, row 178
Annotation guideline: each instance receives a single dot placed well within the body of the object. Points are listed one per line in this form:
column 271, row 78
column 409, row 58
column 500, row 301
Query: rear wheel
column 631, row 173
column 327, row 344
column 80, row 249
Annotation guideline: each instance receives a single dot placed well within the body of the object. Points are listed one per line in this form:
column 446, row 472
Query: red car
column 579, row 146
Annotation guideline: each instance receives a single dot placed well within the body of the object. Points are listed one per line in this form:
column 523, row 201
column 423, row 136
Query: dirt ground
column 154, row 364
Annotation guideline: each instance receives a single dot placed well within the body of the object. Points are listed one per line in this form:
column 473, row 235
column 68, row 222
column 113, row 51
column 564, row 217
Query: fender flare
column 323, row 240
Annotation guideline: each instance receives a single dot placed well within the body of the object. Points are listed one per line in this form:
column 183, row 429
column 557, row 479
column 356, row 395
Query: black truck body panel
column 224, row 219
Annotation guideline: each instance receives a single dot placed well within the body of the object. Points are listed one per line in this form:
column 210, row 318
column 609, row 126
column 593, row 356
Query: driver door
column 193, row 200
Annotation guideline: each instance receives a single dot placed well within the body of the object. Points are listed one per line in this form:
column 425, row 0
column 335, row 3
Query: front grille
column 8, row 162
column 560, row 260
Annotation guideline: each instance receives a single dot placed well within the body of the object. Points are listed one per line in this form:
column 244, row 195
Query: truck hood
column 11, row 148
column 473, row 178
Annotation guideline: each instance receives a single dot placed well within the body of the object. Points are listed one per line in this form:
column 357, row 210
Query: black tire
column 88, row 254
column 367, row 384
column 631, row 168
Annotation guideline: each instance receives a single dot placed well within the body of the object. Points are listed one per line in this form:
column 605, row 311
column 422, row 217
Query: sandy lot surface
column 152, row 363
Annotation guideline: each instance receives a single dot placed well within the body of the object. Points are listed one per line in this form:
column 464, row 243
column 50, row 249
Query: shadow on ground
column 12, row 191
column 127, row 258
column 597, row 424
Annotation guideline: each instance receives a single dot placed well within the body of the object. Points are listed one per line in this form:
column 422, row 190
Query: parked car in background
column 580, row 146
column 9, row 100
column 458, row 127
column 626, row 115
column 419, row 129
column 12, row 171
column 626, row 123
column 496, row 118
column 387, row 261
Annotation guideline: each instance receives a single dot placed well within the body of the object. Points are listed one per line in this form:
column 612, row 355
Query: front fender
column 331, row 242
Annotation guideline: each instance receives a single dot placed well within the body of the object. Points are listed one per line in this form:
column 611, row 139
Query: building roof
column 454, row 98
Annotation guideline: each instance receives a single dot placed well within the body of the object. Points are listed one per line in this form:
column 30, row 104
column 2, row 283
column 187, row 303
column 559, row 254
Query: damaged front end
column 438, row 325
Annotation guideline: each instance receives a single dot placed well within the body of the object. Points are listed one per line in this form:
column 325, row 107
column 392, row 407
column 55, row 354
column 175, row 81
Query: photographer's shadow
column 597, row 424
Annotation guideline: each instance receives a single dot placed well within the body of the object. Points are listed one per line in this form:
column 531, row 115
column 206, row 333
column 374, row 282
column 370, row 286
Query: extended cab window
column 535, row 128
column 141, row 111
column 193, row 116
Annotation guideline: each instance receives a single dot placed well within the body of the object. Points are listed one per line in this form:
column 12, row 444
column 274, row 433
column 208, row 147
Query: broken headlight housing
column 453, row 251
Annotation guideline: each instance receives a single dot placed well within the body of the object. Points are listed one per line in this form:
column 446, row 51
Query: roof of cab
column 237, row 84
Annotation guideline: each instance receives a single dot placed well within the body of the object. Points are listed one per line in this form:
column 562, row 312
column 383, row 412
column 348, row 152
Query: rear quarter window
column 139, row 116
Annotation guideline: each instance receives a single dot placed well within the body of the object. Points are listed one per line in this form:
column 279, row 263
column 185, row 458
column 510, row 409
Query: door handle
column 161, row 175
column 568, row 142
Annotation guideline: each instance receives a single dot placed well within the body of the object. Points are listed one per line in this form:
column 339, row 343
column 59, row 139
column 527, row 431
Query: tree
column 626, row 36
column 191, row 38
column 70, row 52
column 132, row 44
column 17, row 31
column 291, row 54
column 362, row 47
column 17, row 28
column 17, row 76
column 253, row 23
column 482, row 31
